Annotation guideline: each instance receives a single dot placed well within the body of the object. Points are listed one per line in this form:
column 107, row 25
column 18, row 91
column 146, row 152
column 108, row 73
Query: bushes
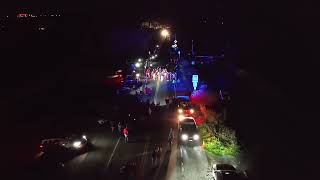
column 219, row 143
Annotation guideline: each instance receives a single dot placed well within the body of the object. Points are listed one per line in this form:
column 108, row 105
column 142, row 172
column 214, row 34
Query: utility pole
column 192, row 52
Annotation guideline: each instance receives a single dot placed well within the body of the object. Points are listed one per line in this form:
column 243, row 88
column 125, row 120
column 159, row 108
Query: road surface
column 110, row 152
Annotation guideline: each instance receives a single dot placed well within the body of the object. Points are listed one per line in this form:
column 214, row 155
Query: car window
column 188, row 121
column 225, row 167
column 188, row 127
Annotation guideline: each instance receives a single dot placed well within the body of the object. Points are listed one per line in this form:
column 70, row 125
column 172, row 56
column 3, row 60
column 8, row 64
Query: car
column 186, row 110
column 67, row 144
column 184, row 106
column 124, row 90
column 226, row 172
column 188, row 132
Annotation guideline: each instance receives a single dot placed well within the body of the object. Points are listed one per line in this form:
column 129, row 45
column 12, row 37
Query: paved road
column 109, row 152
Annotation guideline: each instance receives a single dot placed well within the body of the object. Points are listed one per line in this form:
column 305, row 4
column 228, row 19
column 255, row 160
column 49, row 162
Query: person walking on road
column 170, row 139
column 126, row 133
column 159, row 152
column 119, row 129
column 154, row 155
column 112, row 126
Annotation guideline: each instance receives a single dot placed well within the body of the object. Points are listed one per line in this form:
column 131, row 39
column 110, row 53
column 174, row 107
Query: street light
column 164, row 33
column 137, row 65
column 139, row 59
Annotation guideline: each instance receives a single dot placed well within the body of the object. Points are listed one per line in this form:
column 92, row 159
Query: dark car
column 124, row 90
column 188, row 132
column 67, row 144
column 226, row 172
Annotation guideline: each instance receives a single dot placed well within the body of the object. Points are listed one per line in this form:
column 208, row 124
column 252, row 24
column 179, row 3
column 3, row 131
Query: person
column 167, row 100
column 159, row 152
column 154, row 155
column 152, row 105
column 119, row 129
column 170, row 139
column 126, row 133
column 112, row 126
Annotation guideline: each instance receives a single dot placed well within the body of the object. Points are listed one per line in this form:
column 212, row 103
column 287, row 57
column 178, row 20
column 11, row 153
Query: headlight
column 196, row 137
column 77, row 144
column 180, row 111
column 184, row 137
column 181, row 117
column 191, row 111
column 84, row 137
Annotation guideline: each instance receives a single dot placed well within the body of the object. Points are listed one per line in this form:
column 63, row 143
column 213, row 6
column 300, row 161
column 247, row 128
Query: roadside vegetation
column 217, row 138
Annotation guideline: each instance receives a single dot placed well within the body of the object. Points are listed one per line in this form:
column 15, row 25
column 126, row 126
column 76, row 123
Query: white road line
column 114, row 149
column 181, row 163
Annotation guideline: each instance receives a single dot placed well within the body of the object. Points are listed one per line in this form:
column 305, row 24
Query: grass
column 222, row 143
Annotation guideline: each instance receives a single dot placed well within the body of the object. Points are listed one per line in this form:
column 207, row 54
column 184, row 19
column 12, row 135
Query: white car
column 188, row 132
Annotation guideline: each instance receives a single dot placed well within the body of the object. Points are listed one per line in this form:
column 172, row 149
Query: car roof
column 183, row 98
column 188, row 120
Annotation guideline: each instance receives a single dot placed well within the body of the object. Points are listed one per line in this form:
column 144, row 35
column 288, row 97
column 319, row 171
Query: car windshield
column 225, row 167
column 189, row 127
column 188, row 121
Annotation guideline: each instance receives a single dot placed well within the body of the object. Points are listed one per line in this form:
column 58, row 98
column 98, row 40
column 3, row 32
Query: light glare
column 196, row 137
column 181, row 117
column 184, row 137
column 165, row 33
column 77, row 144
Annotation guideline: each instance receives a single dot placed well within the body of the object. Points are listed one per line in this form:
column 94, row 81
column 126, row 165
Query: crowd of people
column 160, row 74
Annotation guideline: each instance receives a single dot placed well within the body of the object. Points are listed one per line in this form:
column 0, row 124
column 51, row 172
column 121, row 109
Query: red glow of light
column 23, row 15
column 203, row 97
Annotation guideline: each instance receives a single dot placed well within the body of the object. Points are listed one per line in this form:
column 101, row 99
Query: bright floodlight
column 184, row 137
column 77, row 144
column 137, row 65
column 164, row 33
